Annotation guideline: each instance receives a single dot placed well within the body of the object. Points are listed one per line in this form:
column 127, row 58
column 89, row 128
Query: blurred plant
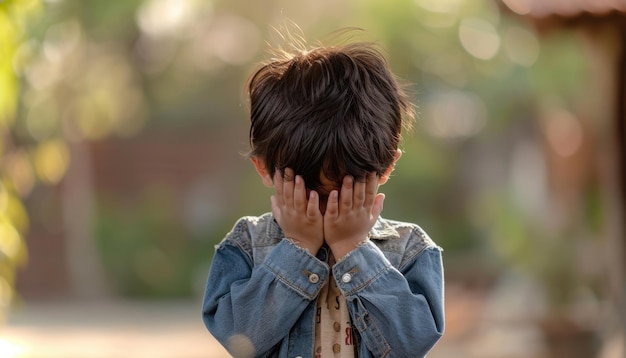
column 547, row 221
column 469, row 66
column 550, row 256
column 146, row 248
column 101, row 68
column 75, row 87
column 16, row 162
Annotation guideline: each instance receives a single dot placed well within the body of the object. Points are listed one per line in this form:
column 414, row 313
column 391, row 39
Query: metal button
column 336, row 348
column 336, row 326
column 346, row 277
column 314, row 278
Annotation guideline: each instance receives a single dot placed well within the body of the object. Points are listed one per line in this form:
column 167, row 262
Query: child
column 323, row 275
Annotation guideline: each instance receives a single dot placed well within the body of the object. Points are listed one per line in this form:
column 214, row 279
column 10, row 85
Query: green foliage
column 145, row 248
column 13, row 218
column 98, row 16
column 100, row 68
column 561, row 70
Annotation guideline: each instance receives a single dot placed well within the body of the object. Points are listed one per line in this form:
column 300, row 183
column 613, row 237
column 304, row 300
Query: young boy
column 323, row 275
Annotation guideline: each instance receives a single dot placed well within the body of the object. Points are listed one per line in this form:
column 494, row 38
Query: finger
column 345, row 203
column 278, row 186
column 371, row 187
column 288, row 186
column 377, row 208
column 276, row 208
column 313, row 206
column 288, row 175
column 299, row 194
column 332, row 205
column 359, row 192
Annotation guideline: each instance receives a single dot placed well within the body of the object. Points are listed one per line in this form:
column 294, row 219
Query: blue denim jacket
column 262, row 290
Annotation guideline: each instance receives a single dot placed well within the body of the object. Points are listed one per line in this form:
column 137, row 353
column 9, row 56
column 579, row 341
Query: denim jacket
column 262, row 289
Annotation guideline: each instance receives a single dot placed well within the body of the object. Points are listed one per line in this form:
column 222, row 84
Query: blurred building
column 601, row 24
column 179, row 171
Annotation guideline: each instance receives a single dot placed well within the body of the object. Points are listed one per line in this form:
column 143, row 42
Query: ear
column 259, row 165
column 383, row 178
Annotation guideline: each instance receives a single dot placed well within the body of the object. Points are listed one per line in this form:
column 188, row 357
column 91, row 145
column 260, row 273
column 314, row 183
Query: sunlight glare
column 52, row 160
column 479, row 38
column 10, row 242
column 441, row 6
column 454, row 114
column 10, row 350
column 163, row 17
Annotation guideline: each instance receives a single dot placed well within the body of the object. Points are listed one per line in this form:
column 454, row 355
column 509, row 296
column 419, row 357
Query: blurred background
column 122, row 128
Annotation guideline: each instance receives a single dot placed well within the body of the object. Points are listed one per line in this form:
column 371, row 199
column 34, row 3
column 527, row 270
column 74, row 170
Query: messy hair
column 334, row 111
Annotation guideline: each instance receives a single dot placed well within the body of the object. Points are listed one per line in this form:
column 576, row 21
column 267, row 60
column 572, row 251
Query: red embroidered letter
column 349, row 336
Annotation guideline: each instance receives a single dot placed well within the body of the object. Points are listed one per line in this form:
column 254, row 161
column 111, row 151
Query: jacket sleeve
column 396, row 313
column 254, row 307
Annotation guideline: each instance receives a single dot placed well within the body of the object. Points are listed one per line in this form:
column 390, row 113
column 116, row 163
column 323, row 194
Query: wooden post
column 621, row 155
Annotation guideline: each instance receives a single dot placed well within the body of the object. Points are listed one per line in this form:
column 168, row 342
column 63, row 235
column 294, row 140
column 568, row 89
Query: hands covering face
column 350, row 212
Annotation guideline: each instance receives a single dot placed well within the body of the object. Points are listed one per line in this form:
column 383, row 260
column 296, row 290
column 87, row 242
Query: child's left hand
column 350, row 215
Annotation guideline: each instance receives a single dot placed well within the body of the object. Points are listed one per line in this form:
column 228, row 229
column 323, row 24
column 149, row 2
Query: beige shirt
column 333, row 327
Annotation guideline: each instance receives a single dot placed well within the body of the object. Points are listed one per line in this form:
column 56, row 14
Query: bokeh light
column 479, row 38
column 123, row 124
column 521, row 46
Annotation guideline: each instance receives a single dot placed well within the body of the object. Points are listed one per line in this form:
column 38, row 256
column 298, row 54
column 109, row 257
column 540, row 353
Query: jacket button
column 336, row 348
column 314, row 278
column 346, row 277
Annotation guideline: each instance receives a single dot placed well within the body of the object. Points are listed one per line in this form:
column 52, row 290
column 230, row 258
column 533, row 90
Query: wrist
column 343, row 247
column 310, row 246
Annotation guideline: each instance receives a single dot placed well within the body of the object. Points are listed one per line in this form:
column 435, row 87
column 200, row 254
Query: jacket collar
column 382, row 230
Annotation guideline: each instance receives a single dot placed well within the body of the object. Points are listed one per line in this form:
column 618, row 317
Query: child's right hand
column 299, row 218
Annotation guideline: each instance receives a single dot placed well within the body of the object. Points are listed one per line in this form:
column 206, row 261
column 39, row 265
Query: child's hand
column 301, row 220
column 350, row 216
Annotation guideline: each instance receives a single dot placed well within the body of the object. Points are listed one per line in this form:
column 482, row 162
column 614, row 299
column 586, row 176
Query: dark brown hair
column 335, row 111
